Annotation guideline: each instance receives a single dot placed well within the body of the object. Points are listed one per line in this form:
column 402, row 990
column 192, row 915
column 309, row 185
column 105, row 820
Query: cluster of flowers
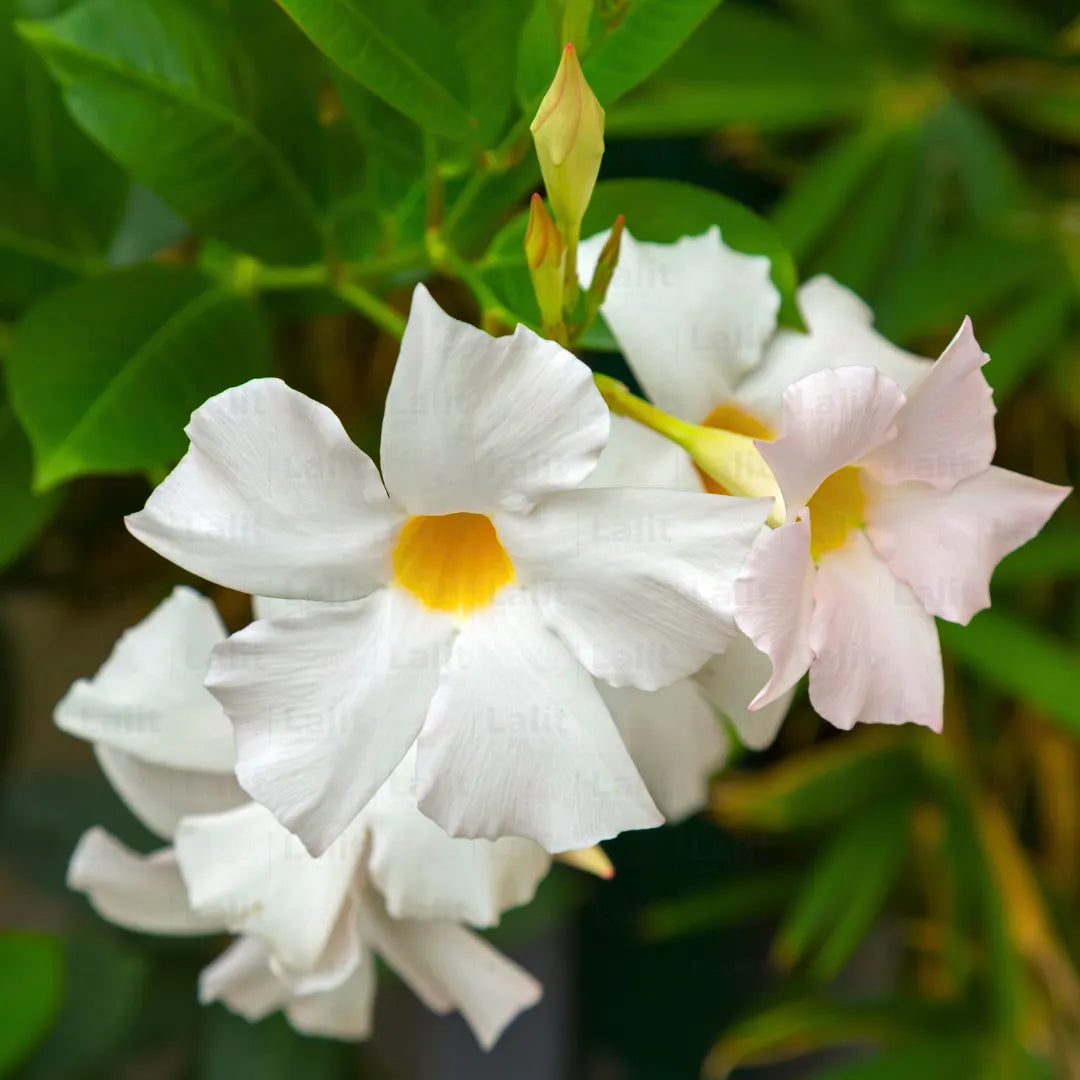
column 515, row 641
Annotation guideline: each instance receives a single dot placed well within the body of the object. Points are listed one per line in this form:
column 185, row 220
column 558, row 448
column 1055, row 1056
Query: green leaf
column 1044, row 97
column 25, row 514
column 160, row 86
column 949, row 1055
column 639, row 38
column 971, row 274
column 1020, row 660
column 538, row 52
column 398, row 51
column 824, row 192
column 993, row 21
column 31, row 985
column 105, row 374
column 846, row 889
column 747, row 66
column 60, row 196
column 101, row 1002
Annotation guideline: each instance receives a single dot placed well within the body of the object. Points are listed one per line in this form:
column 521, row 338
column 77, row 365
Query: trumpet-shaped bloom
column 697, row 323
column 308, row 926
column 904, row 518
column 477, row 595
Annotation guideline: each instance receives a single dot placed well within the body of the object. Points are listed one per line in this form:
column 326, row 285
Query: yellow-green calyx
column 732, row 460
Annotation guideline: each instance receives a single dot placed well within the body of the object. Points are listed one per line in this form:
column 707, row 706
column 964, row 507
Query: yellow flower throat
column 452, row 562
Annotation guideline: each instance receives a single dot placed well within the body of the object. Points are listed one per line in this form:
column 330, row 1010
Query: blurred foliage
column 193, row 192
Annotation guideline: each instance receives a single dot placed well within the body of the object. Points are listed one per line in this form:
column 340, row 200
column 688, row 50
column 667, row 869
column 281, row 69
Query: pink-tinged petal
column 732, row 680
column 326, row 702
column 775, row 599
column 242, row 979
column 945, row 431
column 692, row 317
column 637, row 583
column 246, row 870
column 449, row 967
column 137, row 892
column 675, row 739
column 831, row 419
column 161, row 797
column 876, row 653
column 344, row 1012
column 840, row 334
column 945, row 544
column 273, row 497
column 476, row 423
column 519, row 743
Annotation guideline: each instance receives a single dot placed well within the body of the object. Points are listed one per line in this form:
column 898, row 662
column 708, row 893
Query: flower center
column 452, row 562
column 837, row 507
column 728, row 416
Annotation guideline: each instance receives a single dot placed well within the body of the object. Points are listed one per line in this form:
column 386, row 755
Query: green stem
column 448, row 261
column 368, row 304
column 499, row 161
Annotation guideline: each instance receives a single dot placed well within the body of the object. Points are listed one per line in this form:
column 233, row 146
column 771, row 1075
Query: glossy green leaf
column 104, row 375
column 638, row 39
column 31, row 985
column 1021, row 660
column 397, row 50
column 160, row 86
column 846, row 889
column 25, row 514
column 60, row 196
column 538, row 50
column 747, row 66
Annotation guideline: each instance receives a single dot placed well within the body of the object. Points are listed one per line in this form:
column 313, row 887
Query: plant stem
column 381, row 314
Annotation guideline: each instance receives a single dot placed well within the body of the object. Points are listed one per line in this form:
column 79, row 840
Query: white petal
column 674, row 739
column 137, row 892
column 638, row 457
column 326, row 702
column 160, row 797
column 519, row 743
column 876, row 653
column 241, row 978
column 337, row 961
column 691, row 317
column 244, row 869
column 775, row 594
column 474, row 423
column 449, row 967
column 148, row 698
column 733, row 679
column 945, row 545
column 344, row 1012
column 839, row 334
column 423, row 873
column 831, row 419
column 272, row 497
column 637, row 583
column 945, row 431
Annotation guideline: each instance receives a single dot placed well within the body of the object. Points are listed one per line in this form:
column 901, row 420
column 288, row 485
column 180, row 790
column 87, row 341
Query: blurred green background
column 191, row 194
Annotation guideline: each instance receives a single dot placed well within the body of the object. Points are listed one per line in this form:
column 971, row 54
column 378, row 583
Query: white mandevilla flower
column 904, row 518
column 481, row 593
column 697, row 323
column 309, row 926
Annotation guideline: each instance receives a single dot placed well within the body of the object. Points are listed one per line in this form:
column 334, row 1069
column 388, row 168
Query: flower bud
column 544, row 254
column 568, row 131
column 592, row 860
